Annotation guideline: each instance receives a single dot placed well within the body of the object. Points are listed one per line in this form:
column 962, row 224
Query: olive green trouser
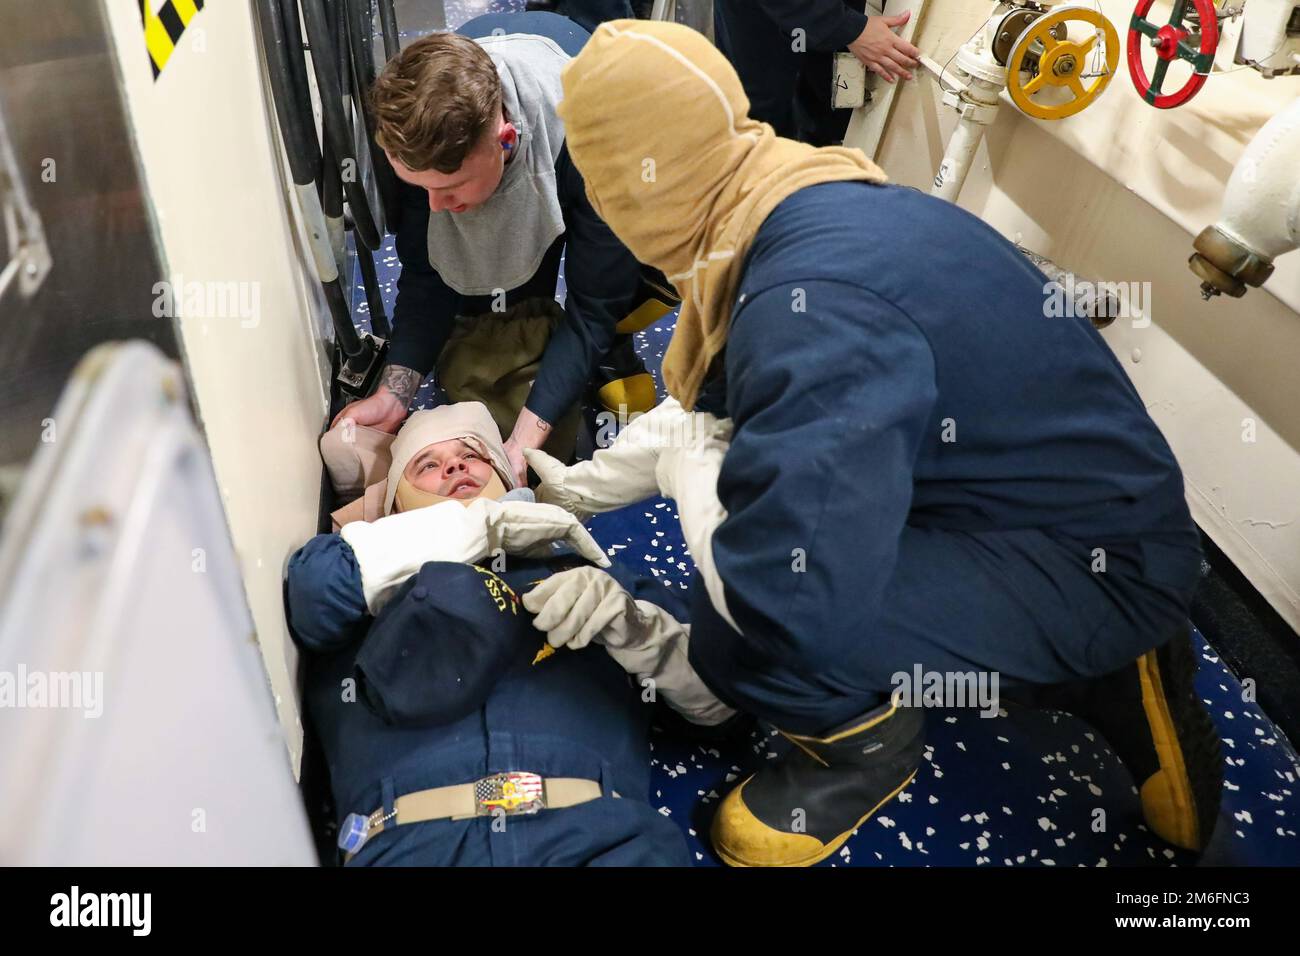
column 493, row 358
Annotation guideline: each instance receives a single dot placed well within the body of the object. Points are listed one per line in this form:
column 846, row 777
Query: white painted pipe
column 1264, row 39
column 957, row 159
column 1261, row 207
column 965, row 140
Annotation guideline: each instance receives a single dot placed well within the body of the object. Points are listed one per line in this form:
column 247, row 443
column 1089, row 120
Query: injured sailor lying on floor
column 454, row 734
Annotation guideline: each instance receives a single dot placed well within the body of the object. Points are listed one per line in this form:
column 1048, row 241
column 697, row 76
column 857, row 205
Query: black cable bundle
column 328, row 169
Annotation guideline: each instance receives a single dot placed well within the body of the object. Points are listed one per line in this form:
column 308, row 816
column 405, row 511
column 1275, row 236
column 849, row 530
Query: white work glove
column 668, row 450
column 622, row 474
column 391, row 549
column 689, row 475
column 575, row 606
column 585, row 604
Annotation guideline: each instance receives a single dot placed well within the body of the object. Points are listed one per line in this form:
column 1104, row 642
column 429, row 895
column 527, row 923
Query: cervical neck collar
column 410, row 497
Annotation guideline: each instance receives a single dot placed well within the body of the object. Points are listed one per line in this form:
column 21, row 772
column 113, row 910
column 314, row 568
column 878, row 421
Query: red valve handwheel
column 1170, row 44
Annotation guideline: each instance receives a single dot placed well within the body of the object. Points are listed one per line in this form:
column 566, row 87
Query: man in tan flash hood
column 923, row 464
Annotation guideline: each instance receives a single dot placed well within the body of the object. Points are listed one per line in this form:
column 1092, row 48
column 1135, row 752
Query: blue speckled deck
column 1021, row 788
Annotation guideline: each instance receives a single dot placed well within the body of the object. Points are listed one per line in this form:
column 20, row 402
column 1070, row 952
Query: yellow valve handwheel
column 1061, row 63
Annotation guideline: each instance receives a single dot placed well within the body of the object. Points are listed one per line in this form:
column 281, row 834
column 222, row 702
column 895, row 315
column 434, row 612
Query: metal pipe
column 1093, row 300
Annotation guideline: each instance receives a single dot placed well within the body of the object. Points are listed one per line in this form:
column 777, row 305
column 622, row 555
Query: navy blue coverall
column 787, row 87
column 446, row 692
column 602, row 278
column 929, row 465
column 592, row 13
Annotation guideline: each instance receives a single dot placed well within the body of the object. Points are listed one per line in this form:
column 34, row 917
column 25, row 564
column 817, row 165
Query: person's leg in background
column 764, row 58
column 591, row 13
column 569, row 34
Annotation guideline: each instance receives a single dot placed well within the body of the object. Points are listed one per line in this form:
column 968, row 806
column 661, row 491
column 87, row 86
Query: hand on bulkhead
column 390, row 550
column 882, row 51
column 577, row 607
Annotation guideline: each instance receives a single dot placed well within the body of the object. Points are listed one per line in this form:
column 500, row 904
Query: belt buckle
column 513, row 793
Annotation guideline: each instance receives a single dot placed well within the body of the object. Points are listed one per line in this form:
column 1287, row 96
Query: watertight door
column 136, row 720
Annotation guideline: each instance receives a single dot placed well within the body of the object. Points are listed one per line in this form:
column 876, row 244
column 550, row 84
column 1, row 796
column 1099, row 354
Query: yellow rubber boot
column 801, row 808
column 1150, row 714
column 623, row 396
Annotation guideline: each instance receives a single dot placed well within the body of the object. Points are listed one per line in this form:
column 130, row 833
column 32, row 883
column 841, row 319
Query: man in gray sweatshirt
column 490, row 203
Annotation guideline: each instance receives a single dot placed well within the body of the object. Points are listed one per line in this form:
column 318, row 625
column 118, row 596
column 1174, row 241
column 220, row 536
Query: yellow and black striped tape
column 163, row 26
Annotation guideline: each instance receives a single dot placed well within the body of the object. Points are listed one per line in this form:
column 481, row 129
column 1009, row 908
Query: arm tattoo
column 402, row 382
